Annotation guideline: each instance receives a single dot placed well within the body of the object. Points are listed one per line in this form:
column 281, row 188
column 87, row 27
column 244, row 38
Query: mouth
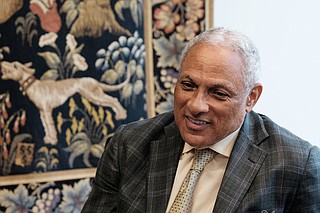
column 193, row 122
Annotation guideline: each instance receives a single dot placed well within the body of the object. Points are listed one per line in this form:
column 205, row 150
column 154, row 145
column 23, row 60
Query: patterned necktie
column 183, row 201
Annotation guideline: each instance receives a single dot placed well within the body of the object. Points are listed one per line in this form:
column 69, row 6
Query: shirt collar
column 223, row 147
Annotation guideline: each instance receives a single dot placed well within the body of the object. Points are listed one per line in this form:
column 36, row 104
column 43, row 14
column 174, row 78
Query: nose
column 198, row 103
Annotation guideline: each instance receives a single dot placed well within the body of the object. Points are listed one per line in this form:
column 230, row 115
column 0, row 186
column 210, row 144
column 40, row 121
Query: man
column 257, row 166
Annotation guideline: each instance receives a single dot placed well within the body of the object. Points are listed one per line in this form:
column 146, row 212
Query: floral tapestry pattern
column 67, row 196
column 72, row 71
column 174, row 24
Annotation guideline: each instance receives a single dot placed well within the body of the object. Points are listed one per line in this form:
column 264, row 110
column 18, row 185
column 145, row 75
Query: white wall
column 287, row 33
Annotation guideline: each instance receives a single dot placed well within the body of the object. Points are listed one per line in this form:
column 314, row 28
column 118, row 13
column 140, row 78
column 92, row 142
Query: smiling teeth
column 197, row 122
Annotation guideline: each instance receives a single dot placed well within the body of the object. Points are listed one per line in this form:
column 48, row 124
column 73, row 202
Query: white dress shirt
column 207, row 188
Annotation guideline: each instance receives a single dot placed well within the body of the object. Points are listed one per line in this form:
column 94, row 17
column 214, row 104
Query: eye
column 221, row 95
column 187, row 85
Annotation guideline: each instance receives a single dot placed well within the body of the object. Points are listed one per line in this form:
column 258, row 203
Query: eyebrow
column 187, row 76
column 214, row 86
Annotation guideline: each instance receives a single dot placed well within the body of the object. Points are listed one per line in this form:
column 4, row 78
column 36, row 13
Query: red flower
column 8, row 137
column 5, row 152
column 48, row 14
column 23, row 118
column 4, row 112
column 165, row 18
column 16, row 126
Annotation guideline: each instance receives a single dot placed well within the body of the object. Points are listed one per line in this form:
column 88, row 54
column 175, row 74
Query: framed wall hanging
column 71, row 72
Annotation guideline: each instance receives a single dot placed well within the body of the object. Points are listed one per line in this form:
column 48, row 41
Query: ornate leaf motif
column 169, row 51
column 135, row 7
column 46, row 197
column 18, row 200
column 175, row 23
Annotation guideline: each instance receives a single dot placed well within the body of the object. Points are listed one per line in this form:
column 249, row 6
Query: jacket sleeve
column 104, row 194
column 308, row 194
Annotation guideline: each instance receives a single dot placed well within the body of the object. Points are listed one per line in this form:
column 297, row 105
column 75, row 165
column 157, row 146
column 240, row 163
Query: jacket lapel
column 165, row 154
column 244, row 163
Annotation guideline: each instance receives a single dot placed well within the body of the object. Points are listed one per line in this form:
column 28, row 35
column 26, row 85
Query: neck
column 26, row 84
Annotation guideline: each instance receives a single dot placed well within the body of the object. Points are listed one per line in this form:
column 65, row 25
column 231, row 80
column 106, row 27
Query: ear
column 253, row 97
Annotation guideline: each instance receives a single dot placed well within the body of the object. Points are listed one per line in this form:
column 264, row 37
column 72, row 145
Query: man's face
column 210, row 97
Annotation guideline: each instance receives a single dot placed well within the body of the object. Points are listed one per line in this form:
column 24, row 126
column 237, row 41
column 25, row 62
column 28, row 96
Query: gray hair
column 235, row 41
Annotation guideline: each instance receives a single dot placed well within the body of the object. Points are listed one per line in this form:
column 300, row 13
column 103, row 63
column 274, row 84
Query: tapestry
column 72, row 71
column 66, row 196
column 175, row 22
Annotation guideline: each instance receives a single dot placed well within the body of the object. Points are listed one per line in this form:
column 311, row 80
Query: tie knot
column 201, row 158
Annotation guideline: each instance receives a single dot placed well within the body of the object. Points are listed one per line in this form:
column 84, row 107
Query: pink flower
column 5, row 152
column 8, row 137
column 165, row 19
column 4, row 112
column 2, row 124
column 187, row 31
column 16, row 126
column 194, row 9
column 23, row 118
column 8, row 102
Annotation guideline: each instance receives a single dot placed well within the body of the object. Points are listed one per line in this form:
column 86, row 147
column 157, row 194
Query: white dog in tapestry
column 49, row 94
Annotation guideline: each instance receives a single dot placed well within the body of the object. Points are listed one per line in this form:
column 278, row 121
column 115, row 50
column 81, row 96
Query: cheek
column 229, row 114
column 180, row 99
column 237, row 114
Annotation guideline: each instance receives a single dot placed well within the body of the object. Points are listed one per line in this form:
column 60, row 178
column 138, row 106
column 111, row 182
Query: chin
column 197, row 141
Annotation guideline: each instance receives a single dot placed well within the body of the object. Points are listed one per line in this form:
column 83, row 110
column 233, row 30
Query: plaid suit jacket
column 269, row 170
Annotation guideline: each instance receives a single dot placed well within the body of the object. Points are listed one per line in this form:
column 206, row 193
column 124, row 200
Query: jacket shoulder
column 264, row 132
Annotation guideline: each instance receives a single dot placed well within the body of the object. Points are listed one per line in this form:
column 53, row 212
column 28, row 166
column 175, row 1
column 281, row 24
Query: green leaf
column 119, row 6
column 52, row 59
column 71, row 16
column 97, row 150
column 50, row 75
column 138, row 87
column 67, row 6
column 110, row 76
column 120, row 68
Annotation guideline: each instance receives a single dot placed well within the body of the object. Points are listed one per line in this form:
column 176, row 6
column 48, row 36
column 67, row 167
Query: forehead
column 206, row 52
column 209, row 62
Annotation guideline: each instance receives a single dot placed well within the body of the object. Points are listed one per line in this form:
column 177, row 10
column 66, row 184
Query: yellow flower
column 59, row 122
column 104, row 130
column 109, row 119
column 74, row 125
column 81, row 125
column 95, row 116
column 72, row 105
column 86, row 104
column 101, row 113
column 68, row 136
